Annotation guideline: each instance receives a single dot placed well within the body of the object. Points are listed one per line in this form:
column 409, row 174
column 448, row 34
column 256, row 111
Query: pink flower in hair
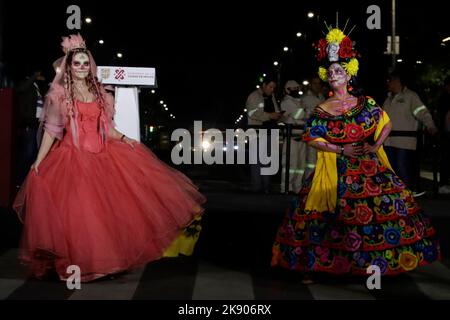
column 74, row 41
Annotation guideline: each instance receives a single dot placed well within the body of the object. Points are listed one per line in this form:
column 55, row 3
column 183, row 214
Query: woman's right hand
column 353, row 151
column 35, row 166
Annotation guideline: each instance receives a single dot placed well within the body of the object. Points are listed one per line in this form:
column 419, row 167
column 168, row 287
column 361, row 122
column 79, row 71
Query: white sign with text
column 127, row 76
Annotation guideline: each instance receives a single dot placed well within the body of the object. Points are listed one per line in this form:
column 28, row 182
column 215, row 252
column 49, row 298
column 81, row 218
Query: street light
column 285, row 49
column 310, row 15
column 161, row 102
column 446, row 39
column 419, row 62
column 153, row 91
column 275, row 63
column 299, row 34
column 399, row 60
column 119, row 55
column 305, row 83
column 101, row 41
column 88, row 20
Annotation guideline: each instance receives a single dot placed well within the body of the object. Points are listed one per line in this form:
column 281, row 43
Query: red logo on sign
column 119, row 74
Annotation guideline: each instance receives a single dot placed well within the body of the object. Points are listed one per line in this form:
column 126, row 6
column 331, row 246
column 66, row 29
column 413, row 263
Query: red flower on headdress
column 345, row 48
column 322, row 48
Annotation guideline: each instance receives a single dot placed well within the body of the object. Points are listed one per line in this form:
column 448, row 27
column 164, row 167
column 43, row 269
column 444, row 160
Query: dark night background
column 209, row 57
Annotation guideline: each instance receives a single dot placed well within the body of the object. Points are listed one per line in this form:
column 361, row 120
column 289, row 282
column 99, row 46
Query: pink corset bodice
column 88, row 127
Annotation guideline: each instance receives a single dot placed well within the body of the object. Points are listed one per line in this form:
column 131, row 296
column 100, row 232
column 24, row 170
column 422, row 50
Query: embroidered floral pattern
column 376, row 221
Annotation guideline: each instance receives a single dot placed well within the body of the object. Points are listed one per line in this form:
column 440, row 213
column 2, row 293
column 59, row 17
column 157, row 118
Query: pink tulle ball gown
column 105, row 208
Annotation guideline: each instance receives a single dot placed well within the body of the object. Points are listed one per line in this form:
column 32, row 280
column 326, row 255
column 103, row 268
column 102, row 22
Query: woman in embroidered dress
column 94, row 197
column 353, row 211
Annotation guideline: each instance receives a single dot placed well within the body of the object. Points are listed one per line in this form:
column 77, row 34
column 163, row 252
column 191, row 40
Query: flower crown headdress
column 337, row 47
column 73, row 42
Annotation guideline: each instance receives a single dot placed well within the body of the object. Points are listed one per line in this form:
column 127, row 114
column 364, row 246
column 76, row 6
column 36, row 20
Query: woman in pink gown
column 95, row 198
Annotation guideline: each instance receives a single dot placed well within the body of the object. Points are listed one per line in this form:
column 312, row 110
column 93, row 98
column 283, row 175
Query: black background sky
column 209, row 57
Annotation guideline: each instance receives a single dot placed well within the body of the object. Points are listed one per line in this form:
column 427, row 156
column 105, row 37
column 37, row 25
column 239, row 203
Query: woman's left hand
column 370, row 148
column 130, row 141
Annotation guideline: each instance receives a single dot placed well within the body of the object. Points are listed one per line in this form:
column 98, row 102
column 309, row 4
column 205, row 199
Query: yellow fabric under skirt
column 184, row 244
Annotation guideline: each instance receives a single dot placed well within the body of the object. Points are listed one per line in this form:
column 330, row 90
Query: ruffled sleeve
column 315, row 129
column 53, row 116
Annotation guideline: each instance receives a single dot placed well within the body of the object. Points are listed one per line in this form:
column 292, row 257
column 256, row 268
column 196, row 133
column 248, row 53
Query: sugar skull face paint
column 337, row 77
column 80, row 65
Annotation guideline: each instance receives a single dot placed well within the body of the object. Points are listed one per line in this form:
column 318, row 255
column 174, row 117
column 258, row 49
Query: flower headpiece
column 72, row 42
column 336, row 47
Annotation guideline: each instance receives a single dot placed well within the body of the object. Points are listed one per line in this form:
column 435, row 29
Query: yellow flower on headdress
column 351, row 67
column 323, row 74
column 335, row 35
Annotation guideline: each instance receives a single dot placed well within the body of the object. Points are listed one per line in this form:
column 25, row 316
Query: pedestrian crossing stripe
column 188, row 278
